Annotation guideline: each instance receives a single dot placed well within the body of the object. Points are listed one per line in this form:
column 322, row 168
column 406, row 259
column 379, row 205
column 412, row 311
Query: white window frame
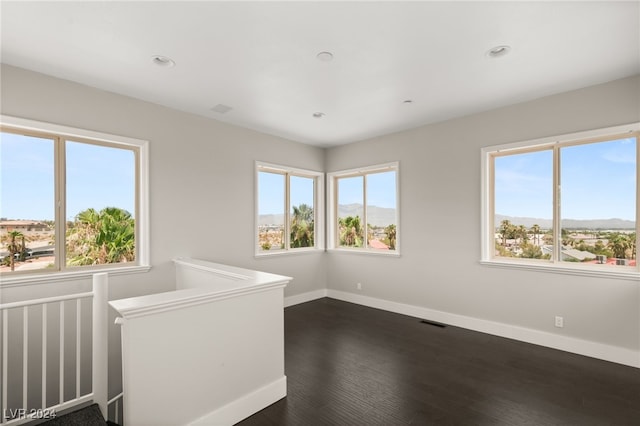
column 332, row 196
column 318, row 208
column 142, row 263
column 554, row 265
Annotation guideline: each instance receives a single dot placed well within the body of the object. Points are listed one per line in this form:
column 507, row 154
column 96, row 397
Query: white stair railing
column 25, row 412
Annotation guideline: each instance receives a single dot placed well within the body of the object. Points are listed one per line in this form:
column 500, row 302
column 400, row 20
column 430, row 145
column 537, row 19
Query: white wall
column 440, row 224
column 201, row 176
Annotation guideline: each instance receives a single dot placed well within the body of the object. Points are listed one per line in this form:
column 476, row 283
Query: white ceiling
column 260, row 57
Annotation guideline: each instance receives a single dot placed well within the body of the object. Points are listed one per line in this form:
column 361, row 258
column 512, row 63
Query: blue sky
column 597, row 182
column 271, row 192
column 381, row 190
column 97, row 177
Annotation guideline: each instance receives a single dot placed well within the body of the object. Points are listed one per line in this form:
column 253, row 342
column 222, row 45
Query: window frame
column 318, row 208
column 332, row 197
column 60, row 134
column 554, row 143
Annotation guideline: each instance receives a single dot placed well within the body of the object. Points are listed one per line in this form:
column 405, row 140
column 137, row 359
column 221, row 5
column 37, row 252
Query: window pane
column 271, row 205
column 350, row 211
column 27, row 206
column 301, row 193
column 381, row 211
column 598, row 207
column 523, row 205
column 100, row 204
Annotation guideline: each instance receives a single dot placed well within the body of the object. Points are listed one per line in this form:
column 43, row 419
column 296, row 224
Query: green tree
column 506, row 231
column 15, row 242
column 302, row 227
column 531, row 251
column 520, row 233
column 350, row 231
column 567, row 239
column 391, row 236
column 620, row 245
column 535, row 230
column 103, row 237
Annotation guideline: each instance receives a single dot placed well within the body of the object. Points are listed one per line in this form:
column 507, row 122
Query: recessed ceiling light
column 221, row 108
column 318, row 114
column 163, row 61
column 325, row 56
column 498, row 51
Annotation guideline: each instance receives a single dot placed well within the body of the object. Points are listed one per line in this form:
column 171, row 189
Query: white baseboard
column 569, row 344
column 304, row 297
column 245, row 406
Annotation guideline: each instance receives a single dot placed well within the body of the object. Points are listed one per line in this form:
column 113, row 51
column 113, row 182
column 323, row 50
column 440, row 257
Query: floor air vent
column 433, row 323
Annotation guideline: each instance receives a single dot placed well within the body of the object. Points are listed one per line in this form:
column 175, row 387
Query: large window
column 567, row 202
column 71, row 200
column 364, row 209
column 288, row 209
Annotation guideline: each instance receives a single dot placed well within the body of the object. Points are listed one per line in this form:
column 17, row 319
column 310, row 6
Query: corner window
column 365, row 209
column 72, row 200
column 566, row 202
column 288, row 209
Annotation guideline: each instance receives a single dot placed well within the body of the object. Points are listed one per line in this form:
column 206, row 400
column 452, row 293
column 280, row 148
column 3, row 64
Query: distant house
column 570, row 254
column 24, row 226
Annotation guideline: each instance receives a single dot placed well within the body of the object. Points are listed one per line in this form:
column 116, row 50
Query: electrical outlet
column 559, row 322
column 359, row 286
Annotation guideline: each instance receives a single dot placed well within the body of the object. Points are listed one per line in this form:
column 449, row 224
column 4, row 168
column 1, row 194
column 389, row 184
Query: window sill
column 599, row 272
column 290, row 252
column 387, row 253
column 53, row 277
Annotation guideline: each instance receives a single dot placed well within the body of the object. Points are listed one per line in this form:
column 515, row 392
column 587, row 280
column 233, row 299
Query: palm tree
column 619, row 244
column 101, row 237
column 535, row 230
column 506, row 229
column 302, row 227
column 391, row 235
column 350, row 231
column 521, row 233
column 15, row 242
column 303, row 212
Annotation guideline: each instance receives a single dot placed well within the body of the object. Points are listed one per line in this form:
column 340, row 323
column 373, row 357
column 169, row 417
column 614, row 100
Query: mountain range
column 568, row 223
column 377, row 216
column 383, row 216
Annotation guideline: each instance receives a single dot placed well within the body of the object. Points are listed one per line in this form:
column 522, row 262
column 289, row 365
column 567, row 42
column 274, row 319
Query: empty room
column 319, row 213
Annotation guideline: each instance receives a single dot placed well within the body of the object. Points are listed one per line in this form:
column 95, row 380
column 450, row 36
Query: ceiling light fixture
column 498, row 51
column 324, row 56
column 221, row 108
column 318, row 114
column 163, row 61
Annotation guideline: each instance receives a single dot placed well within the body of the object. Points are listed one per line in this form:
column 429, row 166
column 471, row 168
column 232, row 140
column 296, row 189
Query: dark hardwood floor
column 351, row 365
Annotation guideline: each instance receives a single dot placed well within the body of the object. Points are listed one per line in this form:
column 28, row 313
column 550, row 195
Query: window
column 364, row 209
column 288, row 207
column 72, row 201
column 567, row 202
